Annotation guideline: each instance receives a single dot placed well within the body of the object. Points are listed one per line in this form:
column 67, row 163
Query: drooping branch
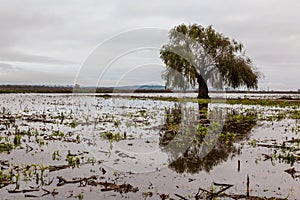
column 194, row 50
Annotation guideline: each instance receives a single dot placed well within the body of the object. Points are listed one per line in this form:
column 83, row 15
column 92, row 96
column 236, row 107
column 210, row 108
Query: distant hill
column 142, row 87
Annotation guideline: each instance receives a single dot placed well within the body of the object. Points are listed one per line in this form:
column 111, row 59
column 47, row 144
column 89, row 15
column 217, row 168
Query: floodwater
column 141, row 148
column 220, row 94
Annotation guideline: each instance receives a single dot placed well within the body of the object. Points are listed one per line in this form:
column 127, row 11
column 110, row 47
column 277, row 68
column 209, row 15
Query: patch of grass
column 296, row 114
column 202, row 130
column 288, row 158
column 17, row 140
column 117, row 123
column 79, row 196
column 264, row 102
column 72, row 159
column 253, row 142
column 227, row 137
column 112, row 136
column 73, row 124
column 57, row 133
column 5, row 146
column 5, row 177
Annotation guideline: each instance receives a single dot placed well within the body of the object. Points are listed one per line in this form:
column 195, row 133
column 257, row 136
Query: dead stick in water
column 181, row 197
column 226, row 187
column 23, row 191
column 248, row 186
column 83, row 181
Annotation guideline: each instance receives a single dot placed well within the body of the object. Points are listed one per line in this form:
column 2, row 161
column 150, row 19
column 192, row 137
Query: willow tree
column 198, row 56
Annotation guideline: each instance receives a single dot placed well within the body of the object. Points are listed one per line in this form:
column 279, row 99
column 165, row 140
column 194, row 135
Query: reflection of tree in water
column 236, row 128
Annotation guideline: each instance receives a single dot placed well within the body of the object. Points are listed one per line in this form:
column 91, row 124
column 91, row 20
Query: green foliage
column 296, row 114
column 73, row 124
column 252, row 142
column 6, row 146
column 195, row 52
column 173, row 115
column 17, row 140
column 227, row 137
column 58, row 134
column 80, row 196
column 264, row 102
column 5, row 177
column 280, row 116
column 288, row 158
column 72, row 159
column 117, row 123
column 112, row 136
column 202, row 130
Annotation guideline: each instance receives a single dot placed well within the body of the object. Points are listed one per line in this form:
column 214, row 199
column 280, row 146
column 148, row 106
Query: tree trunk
column 203, row 89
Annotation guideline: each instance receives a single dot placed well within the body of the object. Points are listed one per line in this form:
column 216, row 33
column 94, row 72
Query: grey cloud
column 15, row 56
column 63, row 32
column 284, row 77
column 16, row 75
column 118, row 55
column 4, row 67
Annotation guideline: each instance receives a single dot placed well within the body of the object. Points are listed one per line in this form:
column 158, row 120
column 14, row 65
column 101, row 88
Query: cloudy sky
column 61, row 42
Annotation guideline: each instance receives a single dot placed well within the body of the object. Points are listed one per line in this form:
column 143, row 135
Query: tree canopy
column 197, row 56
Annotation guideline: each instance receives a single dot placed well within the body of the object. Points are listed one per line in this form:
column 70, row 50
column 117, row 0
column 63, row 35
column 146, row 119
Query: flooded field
column 217, row 95
column 106, row 147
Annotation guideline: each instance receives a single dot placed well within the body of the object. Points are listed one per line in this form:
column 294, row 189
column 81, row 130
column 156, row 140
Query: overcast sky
column 53, row 42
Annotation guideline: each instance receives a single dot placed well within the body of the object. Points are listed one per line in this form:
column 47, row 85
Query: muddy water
column 152, row 145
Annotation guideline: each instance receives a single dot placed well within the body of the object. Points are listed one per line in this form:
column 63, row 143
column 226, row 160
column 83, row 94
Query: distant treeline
column 71, row 89
column 34, row 89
